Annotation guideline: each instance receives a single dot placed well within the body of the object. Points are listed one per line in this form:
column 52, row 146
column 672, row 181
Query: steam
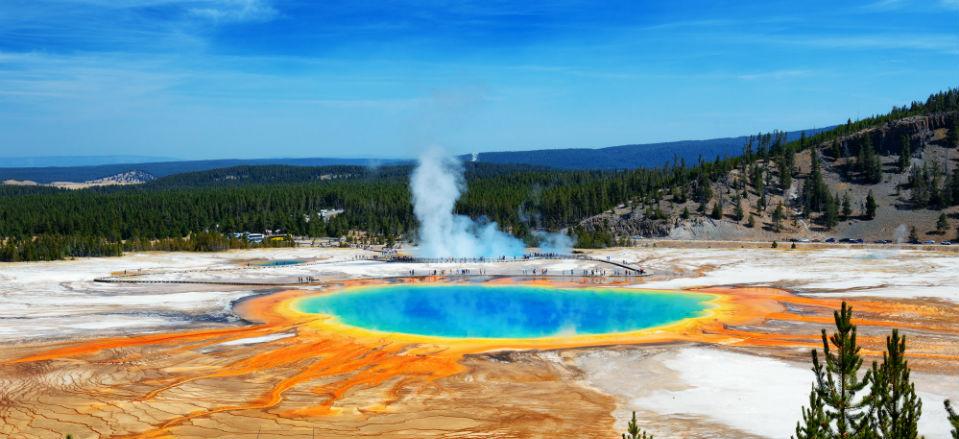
column 555, row 243
column 902, row 234
column 436, row 183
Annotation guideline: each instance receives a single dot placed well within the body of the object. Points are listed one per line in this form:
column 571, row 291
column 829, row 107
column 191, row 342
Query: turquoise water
column 503, row 311
column 280, row 262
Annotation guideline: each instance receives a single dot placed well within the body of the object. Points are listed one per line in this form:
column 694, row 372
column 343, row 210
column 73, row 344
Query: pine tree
column 942, row 224
column 868, row 162
column 905, row 154
column 952, row 137
column 870, row 206
column 751, row 222
column 815, row 423
column 778, row 216
column 846, row 207
column 634, row 432
column 717, row 212
column 953, row 420
column 838, row 383
column 738, row 212
column 830, row 216
column 913, row 235
column 685, row 213
column 894, row 406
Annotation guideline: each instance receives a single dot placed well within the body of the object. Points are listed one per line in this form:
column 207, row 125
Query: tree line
column 50, row 223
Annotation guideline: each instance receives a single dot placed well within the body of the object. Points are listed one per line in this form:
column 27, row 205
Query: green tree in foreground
column 815, row 423
column 894, row 406
column 953, row 420
column 634, row 432
column 838, row 383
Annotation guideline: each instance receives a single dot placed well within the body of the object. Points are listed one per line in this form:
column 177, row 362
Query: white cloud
column 235, row 11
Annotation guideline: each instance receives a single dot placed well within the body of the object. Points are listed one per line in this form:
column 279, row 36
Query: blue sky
column 379, row 78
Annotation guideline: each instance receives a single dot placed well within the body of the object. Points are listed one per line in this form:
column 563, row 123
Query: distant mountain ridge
column 46, row 175
column 613, row 157
column 71, row 161
column 629, row 156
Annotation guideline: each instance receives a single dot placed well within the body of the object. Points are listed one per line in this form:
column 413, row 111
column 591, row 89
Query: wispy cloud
column 233, row 11
column 776, row 75
column 945, row 43
column 885, row 5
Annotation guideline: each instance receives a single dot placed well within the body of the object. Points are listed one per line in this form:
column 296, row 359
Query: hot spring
column 482, row 311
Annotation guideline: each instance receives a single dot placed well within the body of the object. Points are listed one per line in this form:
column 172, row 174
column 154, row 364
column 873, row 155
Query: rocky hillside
column 870, row 182
column 121, row 179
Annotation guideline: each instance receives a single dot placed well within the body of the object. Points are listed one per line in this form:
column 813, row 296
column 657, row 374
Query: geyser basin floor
column 508, row 311
column 333, row 380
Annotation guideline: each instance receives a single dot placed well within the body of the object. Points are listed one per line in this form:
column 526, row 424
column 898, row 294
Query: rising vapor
column 436, row 183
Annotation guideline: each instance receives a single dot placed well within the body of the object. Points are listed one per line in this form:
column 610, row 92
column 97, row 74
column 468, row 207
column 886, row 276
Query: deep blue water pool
column 504, row 311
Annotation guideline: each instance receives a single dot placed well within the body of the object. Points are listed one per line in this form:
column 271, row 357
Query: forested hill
column 648, row 155
column 871, row 174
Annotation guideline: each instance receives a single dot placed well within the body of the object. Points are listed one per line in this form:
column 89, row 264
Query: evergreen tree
column 894, row 406
column 685, row 213
column 870, row 206
column 846, row 207
column 836, row 150
column 738, row 212
column 869, row 163
column 913, row 235
column 634, row 432
column 953, row 420
column 942, row 224
column 830, row 216
column 905, row 153
column 751, row 222
column 815, row 423
column 952, row 137
column 717, row 212
column 778, row 215
column 838, row 383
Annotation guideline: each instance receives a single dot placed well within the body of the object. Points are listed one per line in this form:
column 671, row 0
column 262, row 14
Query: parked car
column 856, row 241
column 946, row 243
column 882, row 241
column 830, row 239
column 929, row 242
column 845, row 240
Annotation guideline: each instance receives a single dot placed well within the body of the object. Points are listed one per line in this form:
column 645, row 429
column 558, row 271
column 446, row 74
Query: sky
column 390, row 78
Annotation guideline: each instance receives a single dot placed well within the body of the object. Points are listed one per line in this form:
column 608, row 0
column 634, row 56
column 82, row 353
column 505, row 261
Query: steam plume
column 436, row 183
column 556, row 243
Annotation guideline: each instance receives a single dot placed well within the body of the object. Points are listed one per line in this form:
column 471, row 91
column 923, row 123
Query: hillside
column 648, row 155
column 908, row 165
column 815, row 187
